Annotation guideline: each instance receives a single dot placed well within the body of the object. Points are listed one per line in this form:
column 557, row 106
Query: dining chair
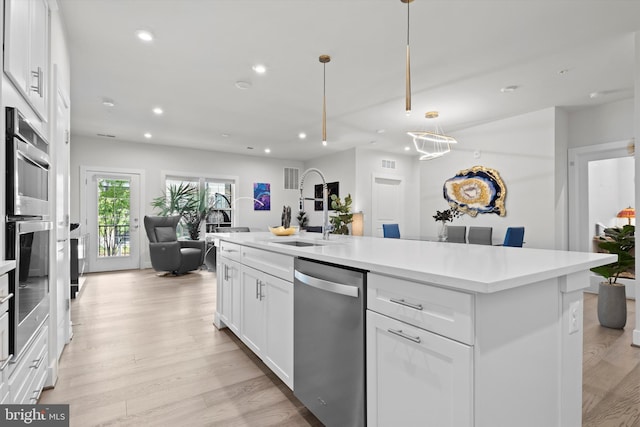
column 514, row 237
column 391, row 231
column 480, row 235
column 457, row 234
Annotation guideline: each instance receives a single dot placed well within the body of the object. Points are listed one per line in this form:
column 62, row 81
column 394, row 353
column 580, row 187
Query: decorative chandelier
column 407, row 101
column 324, row 59
column 432, row 144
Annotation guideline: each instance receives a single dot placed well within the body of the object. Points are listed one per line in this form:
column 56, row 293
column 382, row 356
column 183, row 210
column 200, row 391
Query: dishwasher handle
column 326, row 285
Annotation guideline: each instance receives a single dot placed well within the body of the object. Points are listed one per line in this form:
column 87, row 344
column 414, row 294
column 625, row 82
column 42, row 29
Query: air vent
column 106, row 135
column 389, row 164
column 291, row 178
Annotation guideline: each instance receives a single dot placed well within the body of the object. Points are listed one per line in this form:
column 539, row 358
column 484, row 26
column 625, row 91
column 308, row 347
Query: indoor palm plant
column 612, row 303
column 187, row 201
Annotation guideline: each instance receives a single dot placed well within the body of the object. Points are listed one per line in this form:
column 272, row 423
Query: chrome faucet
column 325, row 209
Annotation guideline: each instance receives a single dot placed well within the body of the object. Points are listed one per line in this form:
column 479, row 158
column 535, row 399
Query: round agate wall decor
column 476, row 190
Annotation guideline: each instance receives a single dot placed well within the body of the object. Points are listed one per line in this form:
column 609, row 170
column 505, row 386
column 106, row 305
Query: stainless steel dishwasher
column 329, row 342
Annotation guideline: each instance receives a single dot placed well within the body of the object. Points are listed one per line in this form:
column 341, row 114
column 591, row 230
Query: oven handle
column 42, row 165
column 325, row 285
column 31, row 226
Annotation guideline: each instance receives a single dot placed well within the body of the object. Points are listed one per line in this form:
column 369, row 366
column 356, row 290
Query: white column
column 636, row 332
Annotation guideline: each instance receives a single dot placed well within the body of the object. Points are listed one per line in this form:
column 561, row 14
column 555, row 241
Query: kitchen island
column 456, row 334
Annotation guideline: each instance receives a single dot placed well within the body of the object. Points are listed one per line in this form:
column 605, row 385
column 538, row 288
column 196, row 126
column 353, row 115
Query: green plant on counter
column 303, row 220
column 344, row 216
column 621, row 242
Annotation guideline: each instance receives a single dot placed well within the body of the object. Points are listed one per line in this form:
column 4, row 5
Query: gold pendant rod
column 324, row 59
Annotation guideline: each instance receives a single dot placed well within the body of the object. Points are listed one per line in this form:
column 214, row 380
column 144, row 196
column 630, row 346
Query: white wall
column 611, row 188
column 369, row 164
column 339, row 167
column 522, row 149
column 601, row 124
column 154, row 160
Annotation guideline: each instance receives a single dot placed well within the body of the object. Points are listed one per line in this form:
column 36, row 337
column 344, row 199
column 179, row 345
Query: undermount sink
column 297, row 243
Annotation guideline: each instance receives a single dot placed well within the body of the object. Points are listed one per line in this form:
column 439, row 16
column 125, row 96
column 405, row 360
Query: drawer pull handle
column 229, row 250
column 5, row 299
column 406, row 304
column 5, row 362
column 399, row 333
column 37, row 362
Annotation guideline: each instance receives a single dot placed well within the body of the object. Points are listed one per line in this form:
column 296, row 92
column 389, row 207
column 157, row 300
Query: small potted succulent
column 612, row 301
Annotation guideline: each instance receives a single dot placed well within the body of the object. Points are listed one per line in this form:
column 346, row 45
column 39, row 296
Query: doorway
column 599, row 175
column 112, row 218
column 387, row 199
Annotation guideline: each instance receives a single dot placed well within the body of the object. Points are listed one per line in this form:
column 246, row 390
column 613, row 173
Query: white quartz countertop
column 7, row 266
column 475, row 268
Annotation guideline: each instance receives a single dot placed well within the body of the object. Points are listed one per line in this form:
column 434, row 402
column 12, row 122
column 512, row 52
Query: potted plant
column 443, row 217
column 303, row 219
column 344, row 216
column 612, row 302
column 187, row 201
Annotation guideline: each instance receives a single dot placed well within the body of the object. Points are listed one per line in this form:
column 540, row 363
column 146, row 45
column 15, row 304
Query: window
column 219, row 196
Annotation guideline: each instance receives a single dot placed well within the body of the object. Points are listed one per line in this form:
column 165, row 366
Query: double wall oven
column 28, row 228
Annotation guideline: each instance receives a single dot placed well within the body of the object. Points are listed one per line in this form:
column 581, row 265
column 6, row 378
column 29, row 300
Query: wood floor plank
column 145, row 353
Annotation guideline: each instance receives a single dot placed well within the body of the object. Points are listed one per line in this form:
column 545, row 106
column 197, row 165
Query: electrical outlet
column 574, row 317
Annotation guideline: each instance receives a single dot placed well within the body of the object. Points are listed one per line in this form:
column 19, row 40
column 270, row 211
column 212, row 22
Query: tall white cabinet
column 26, row 58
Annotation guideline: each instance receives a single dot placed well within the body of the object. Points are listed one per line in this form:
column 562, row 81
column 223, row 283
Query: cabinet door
column 224, row 291
column 278, row 306
column 415, row 377
column 252, row 313
column 39, row 56
column 230, row 293
column 16, row 56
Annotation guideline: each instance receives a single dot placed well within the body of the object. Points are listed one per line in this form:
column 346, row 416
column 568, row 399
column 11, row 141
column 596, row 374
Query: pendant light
column 324, row 59
column 407, row 101
column 432, row 144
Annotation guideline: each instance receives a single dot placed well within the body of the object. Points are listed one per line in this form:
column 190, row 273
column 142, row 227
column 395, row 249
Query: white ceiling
column 462, row 53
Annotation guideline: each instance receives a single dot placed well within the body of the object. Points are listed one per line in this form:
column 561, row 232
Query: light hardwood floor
column 145, row 353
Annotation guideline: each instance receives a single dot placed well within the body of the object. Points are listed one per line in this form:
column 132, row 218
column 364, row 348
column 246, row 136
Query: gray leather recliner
column 167, row 253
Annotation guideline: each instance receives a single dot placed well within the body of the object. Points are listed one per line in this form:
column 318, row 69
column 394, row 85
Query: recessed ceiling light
column 380, row 131
column 259, row 68
column 144, row 35
column 594, row 95
column 267, row 150
column 108, row 102
column 240, row 84
column 224, row 135
column 407, row 148
column 509, row 89
column 157, row 111
column 302, row 135
column 147, row 135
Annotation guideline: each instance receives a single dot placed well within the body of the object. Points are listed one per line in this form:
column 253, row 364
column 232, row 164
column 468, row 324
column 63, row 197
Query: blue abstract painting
column 261, row 196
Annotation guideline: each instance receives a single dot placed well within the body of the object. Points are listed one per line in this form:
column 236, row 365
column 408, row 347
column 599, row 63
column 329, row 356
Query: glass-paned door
column 113, row 221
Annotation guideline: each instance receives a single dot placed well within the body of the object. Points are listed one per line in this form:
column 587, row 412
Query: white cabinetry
column 30, row 373
column 267, row 320
column 228, row 276
column 5, row 357
column 26, row 55
column 255, row 300
column 416, row 377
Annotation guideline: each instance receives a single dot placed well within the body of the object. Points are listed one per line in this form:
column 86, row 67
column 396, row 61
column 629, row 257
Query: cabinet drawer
column 278, row 265
column 4, row 293
column 230, row 250
column 29, row 367
column 4, row 337
column 443, row 311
